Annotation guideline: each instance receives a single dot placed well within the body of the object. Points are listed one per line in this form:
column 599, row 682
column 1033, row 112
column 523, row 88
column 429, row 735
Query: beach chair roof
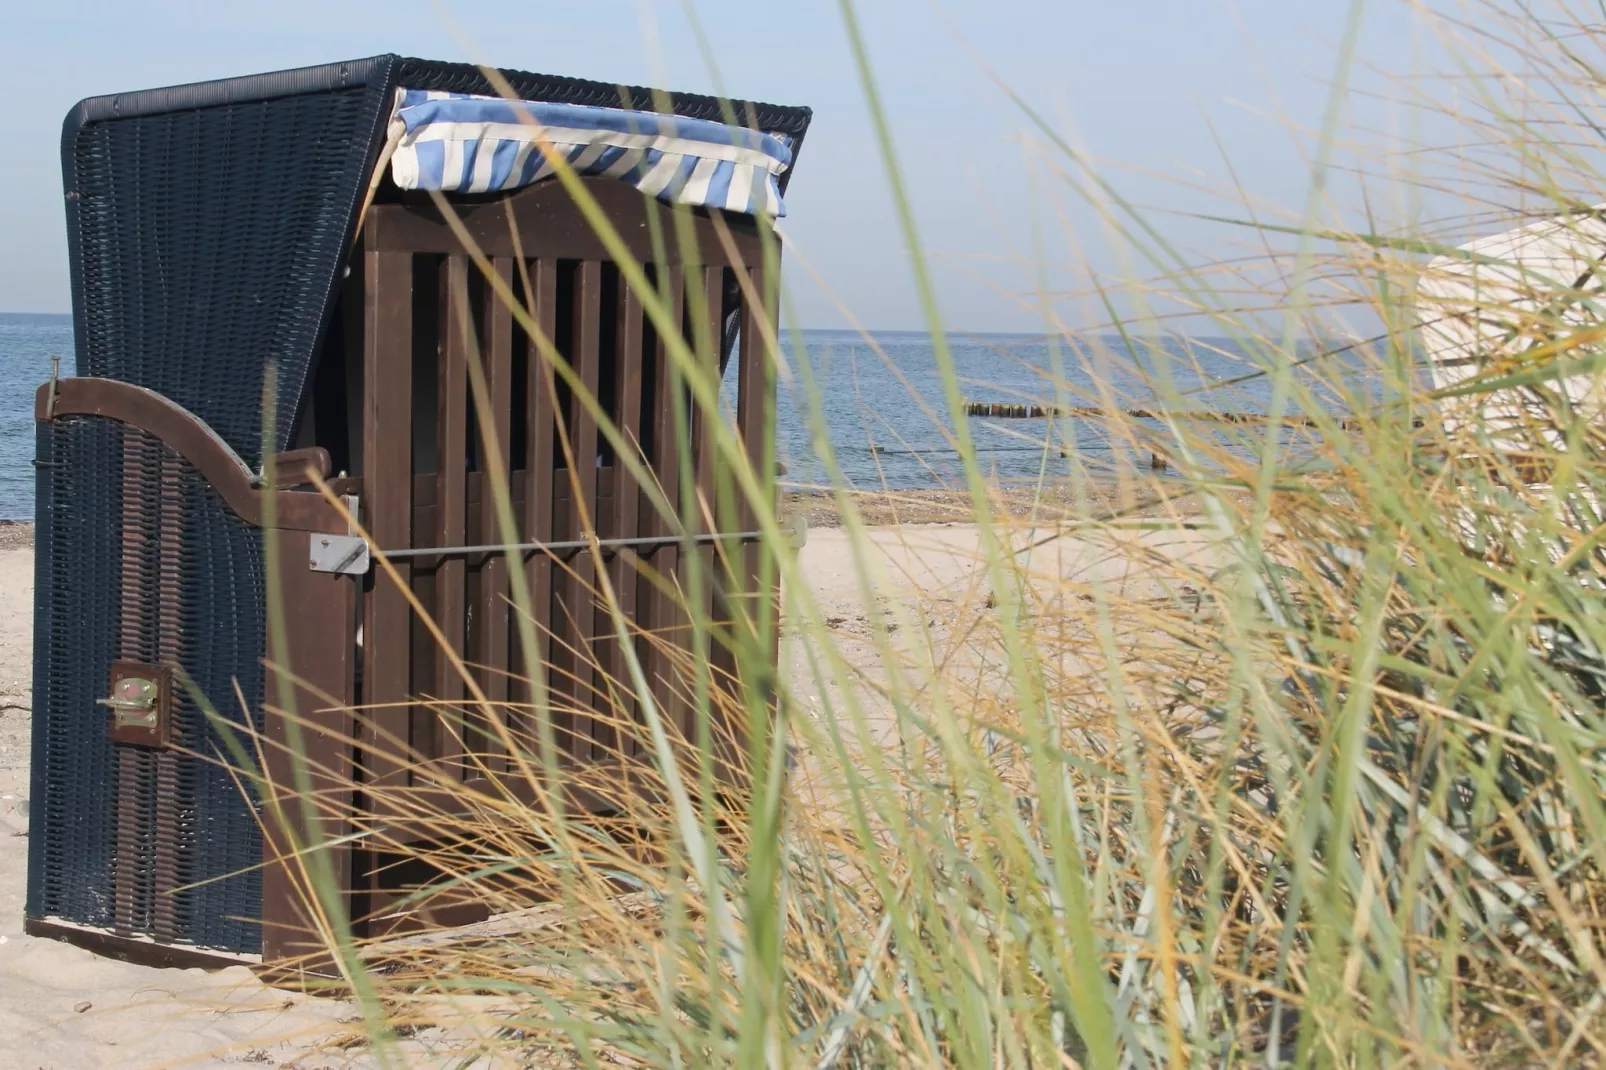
column 466, row 143
column 209, row 224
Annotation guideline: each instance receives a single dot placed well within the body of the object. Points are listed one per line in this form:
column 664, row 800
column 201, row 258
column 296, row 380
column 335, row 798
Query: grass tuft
column 1290, row 753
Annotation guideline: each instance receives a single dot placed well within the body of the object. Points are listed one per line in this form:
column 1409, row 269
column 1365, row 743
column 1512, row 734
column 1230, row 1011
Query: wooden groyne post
column 1004, row 411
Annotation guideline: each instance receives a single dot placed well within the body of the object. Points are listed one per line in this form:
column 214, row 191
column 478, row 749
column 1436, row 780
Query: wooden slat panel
column 580, row 598
column 554, row 231
column 496, row 433
column 538, row 465
column 666, row 619
column 451, row 425
column 623, row 520
column 387, row 505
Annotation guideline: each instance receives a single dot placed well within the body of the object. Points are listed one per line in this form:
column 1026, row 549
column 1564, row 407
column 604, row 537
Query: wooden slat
column 580, row 599
column 666, row 619
column 496, row 433
column 547, row 225
column 557, row 616
column 540, row 406
column 320, row 608
column 451, row 424
column 755, row 419
column 715, row 569
column 755, row 416
column 169, row 592
column 706, row 421
column 754, row 386
column 135, row 594
column 623, row 523
column 387, row 505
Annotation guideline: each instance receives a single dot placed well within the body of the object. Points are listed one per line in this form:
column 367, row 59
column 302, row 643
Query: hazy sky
column 1133, row 82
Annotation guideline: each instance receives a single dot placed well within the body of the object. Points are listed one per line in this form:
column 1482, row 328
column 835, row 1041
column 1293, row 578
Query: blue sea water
column 880, row 399
column 883, row 406
column 27, row 343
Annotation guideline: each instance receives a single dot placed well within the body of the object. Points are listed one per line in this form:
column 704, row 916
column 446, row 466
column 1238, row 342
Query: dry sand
column 62, row 1008
column 929, row 590
column 135, row 1016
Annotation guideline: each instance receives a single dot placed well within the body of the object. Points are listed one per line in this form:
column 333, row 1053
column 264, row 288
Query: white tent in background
column 1502, row 297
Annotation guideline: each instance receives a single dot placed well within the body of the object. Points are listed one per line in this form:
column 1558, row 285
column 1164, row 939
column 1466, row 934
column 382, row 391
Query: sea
column 867, row 409
column 27, row 343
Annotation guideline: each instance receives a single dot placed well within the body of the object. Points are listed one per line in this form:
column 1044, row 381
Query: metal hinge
column 139, row 703
column 345, row 554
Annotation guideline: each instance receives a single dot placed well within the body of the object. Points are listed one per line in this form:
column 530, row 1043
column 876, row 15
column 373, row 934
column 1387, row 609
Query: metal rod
column 574, row 544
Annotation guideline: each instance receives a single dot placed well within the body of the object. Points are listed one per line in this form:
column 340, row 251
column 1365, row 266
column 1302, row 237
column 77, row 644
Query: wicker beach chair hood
column 210, row 229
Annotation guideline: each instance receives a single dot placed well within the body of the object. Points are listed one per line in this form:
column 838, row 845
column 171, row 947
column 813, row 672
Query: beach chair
column 288, row 277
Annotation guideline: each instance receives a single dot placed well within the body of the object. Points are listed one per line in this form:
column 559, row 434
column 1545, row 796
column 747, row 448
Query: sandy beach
column 62, row 1008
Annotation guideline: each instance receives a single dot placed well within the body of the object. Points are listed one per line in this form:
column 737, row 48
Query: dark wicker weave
column 208, row 228
column 115, row 830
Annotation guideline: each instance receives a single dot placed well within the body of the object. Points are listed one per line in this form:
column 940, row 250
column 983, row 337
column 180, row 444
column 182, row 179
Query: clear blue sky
column 1133, row 80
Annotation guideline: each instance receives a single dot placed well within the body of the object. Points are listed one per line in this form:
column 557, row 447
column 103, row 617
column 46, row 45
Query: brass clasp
column 139, row 701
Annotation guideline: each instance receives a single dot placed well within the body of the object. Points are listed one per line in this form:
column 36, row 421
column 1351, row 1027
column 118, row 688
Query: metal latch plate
column 347, row 554
column 140, row 700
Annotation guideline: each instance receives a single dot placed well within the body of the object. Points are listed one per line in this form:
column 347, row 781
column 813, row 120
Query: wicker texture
column 116, row 829
column 790, row 122
column 207, row 243
column 467, row 78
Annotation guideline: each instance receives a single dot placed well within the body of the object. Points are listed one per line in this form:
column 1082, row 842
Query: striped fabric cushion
column 455, row 142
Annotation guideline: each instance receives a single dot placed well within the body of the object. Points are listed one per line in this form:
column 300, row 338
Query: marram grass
column 1291, row 754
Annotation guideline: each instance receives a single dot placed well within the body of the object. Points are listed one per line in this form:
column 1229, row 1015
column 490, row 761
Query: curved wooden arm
column 188, row 436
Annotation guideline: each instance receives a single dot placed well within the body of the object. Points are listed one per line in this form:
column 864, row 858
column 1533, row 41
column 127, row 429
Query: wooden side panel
column 565, row 492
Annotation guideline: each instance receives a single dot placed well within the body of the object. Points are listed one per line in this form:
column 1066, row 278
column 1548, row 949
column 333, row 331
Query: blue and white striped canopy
column 456, row 142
